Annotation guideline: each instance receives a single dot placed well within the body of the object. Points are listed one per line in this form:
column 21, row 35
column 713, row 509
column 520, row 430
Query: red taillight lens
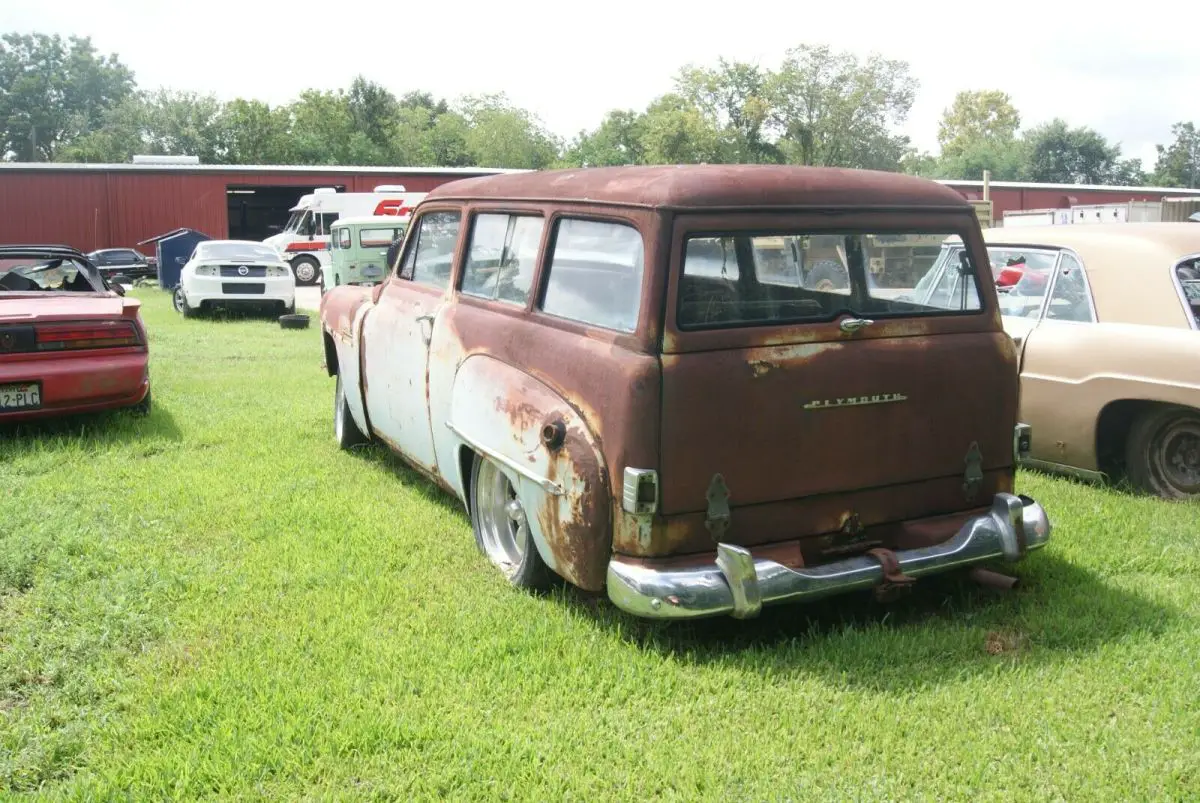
column 89, row 335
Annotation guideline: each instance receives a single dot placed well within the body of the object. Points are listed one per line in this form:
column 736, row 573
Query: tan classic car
column 630, row 380
column 1107, row 318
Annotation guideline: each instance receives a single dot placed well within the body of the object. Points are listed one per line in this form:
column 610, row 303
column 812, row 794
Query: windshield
column 40, row 275
column 238, row 252
column 293, row 223
column 763, row 279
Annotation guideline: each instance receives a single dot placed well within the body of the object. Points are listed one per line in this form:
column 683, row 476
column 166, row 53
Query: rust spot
column 761, row 367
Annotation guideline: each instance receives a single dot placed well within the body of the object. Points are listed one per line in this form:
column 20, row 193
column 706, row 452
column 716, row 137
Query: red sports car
column 69, row 342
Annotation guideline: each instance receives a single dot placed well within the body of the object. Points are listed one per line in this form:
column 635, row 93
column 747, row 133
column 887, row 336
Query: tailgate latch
column 718, row 518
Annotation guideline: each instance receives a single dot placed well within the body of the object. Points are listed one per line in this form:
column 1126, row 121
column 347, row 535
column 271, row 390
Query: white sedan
column 235, row 273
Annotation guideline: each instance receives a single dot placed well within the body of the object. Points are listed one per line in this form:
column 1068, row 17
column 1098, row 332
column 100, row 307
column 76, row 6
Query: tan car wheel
column 1162, row 455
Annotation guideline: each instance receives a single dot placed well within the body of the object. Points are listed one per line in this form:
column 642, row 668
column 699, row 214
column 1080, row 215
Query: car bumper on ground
column 70, row 385
column 738, row 584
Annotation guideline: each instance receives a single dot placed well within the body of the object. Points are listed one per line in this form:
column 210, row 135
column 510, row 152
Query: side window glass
column 502, row 258
column 343, row 238
column 596, row 274
column 430, row 258
column 1070, row 300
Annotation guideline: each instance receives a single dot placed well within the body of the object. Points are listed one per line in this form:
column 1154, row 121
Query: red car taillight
column 86, row 335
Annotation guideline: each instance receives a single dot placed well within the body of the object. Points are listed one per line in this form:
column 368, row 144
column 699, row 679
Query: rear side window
column 342, row 238
column 502, row 257
column 595, row 274
column 430, row 257
column 796, row 277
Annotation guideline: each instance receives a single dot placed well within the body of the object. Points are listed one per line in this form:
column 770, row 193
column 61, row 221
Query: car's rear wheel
column 306, row 270
column 1162, row 454
column 180, row 302
column 502, row 528
column 345, row 430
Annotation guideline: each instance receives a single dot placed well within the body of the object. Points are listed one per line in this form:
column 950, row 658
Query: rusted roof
column 710, row 187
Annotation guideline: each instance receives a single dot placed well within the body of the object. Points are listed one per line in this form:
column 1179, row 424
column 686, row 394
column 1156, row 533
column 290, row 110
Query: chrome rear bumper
column 739, row 584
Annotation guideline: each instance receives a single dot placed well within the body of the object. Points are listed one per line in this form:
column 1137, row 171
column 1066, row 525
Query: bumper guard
column 739, row 584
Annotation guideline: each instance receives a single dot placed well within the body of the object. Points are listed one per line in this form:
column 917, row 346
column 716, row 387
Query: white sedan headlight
column 207, row 270
column 277, row 270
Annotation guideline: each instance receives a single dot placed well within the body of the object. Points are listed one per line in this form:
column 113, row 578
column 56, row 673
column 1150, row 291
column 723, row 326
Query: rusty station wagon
column 624, row 375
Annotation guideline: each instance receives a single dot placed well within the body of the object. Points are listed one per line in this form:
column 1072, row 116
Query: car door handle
column 854, row 324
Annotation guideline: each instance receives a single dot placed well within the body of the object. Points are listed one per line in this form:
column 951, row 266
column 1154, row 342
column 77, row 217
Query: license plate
column 20, row 397
column 371, row 270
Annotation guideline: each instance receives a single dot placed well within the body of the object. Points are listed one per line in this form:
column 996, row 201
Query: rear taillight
column 86, row 335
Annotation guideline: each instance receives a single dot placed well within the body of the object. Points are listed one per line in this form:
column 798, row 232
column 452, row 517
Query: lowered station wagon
column 624, row 376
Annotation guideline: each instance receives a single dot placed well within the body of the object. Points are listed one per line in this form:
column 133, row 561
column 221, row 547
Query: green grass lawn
column 216, row 601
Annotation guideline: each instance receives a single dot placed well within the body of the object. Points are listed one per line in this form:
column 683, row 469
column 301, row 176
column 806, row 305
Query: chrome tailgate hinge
column 718, row 518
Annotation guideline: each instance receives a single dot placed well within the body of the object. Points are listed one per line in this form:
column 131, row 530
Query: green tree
column 980, row 118
column 53, row 91
column 832, row 109
column 1007, row 160
column 373, row 112
column 254, row 133
column 1059, row 154
column 502, row 135
column 1178, row 164
column 183, row 123
column 735, row 97
column 674, row 131
column 618, row 140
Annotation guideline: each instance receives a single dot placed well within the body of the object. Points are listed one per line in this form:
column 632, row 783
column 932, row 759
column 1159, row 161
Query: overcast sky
column 1128, row 70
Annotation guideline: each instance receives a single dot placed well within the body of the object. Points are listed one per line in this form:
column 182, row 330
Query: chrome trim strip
column 546, row 485
column 738, row 584
column 1059, row 468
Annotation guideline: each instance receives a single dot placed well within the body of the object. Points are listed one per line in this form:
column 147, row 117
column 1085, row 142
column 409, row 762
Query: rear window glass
column 778, row 278
column 376, row 238
column 1188, row 274
column 596, row 274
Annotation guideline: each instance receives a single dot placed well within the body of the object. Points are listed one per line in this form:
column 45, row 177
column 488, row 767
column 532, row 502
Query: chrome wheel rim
column 305, row 271
column 503, row 527
column 178, row 299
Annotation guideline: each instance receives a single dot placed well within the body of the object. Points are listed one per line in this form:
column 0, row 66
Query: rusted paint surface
column 758, row 433
column 571, row 406
column 820, row 518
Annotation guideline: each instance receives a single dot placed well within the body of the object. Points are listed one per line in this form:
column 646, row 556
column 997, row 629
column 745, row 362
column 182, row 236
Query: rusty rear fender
column 550, row 453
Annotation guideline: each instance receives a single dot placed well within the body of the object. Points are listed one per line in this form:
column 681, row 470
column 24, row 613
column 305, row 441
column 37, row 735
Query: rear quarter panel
column 342, row 312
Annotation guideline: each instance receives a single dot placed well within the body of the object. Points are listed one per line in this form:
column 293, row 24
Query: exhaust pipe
column 990, row 579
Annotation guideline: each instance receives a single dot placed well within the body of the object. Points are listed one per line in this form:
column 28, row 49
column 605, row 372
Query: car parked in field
column 1107, row 319
column 602, row 365
column 69, row 343
column 129, row 262
column 235, row 273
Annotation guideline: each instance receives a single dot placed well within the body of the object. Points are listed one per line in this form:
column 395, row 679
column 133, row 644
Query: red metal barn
column 103, row 206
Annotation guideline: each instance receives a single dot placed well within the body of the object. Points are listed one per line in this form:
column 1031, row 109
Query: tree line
column 62, row 100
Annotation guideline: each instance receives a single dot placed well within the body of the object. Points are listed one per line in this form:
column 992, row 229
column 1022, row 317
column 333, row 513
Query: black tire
column 306, row 270
column 1162, row 453
column 827, row 275
column 345, row 431
column 143, row 407
column 289, row 309
column 529, row 572
column 293, row 321
column 179, row 300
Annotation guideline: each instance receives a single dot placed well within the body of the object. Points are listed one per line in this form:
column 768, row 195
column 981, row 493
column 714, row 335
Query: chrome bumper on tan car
column 739, row 584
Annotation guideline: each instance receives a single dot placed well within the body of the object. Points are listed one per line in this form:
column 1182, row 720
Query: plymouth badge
column 855, row 401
